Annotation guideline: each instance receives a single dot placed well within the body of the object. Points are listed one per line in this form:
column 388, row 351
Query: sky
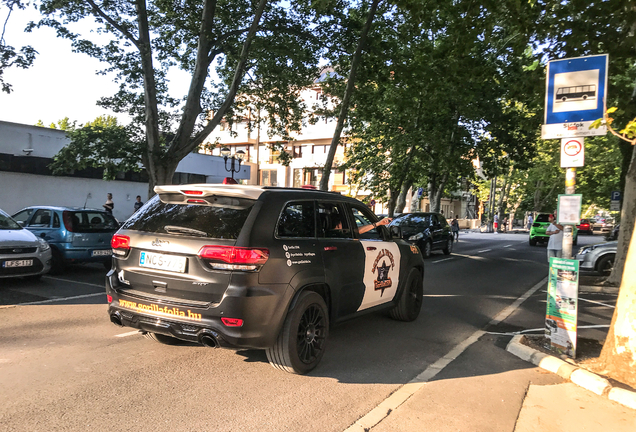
column 59, row 84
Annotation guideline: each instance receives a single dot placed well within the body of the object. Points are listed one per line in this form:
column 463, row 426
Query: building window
column 269, row 177
column 298, row 152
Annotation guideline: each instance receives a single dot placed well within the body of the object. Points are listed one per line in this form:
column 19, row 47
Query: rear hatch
column 180, row 251
column 92, row 230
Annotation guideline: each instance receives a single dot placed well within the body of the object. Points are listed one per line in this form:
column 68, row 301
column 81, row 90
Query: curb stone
column 581, row 377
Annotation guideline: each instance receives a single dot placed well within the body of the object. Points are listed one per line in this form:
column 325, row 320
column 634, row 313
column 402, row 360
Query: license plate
column 18, row 263
column 163, row 262
column 103, row 252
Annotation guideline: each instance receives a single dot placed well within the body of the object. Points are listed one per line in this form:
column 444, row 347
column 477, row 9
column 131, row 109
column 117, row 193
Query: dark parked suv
column 429, row 231
column 256, row 267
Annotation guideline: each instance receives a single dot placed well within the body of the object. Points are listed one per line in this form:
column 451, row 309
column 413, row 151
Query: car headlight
column 584, row 250
column 417, row 236
column 44, row 245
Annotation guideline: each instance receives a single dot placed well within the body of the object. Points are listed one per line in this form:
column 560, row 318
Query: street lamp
column 234, row 166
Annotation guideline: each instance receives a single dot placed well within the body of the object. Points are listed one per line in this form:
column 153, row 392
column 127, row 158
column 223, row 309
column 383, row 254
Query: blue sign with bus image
column 576, row 89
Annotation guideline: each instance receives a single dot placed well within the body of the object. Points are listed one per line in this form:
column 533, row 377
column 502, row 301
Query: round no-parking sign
column 572, row 152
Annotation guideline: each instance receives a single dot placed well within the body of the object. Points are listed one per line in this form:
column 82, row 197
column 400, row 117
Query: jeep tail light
column 120, row 244
column 232, row 322
column 234, row 258
column 192, row 192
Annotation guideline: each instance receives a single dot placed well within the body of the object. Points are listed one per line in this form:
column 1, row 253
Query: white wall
column 22, row 190
column 19, row 190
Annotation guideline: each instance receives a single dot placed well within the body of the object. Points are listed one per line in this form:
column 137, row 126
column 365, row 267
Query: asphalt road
column 64, row 366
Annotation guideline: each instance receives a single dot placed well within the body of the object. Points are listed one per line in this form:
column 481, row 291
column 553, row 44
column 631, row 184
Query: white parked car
column 22, row 254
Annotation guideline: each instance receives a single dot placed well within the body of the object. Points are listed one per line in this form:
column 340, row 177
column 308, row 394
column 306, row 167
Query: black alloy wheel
column 410, row 303
column 449, row 246
column 301, row 342
column 427, row 249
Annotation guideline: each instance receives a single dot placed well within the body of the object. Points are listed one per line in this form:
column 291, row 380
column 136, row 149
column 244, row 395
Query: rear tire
column 162, row 339
column 605, row 264
column 301, row 342
column 410, row 303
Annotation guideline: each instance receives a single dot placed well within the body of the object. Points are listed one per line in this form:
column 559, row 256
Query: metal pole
column 568, row 230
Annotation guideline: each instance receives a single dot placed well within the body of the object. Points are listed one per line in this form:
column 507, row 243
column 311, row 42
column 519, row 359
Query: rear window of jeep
column 220, row 218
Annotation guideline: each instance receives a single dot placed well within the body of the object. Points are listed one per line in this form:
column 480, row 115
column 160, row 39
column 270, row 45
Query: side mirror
column 396, row 231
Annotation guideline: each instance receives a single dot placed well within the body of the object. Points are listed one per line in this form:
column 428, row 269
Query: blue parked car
column 76, row 235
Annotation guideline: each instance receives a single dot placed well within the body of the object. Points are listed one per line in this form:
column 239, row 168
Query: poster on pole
column 574, row 97
column 569, row 209
column 562, row 308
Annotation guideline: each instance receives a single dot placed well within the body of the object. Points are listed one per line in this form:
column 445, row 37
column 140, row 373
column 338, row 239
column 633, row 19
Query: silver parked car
column 22, row 254
column 598, row 257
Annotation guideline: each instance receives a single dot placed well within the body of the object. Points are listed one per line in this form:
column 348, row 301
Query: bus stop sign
column 574, row 97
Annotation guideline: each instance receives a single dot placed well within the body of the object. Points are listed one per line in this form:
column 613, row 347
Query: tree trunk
column 619, row 351
column 344, row 106
column 401, row 199
column 162, row 175
column 415, row 204
column 435, row 192
column 628, row 215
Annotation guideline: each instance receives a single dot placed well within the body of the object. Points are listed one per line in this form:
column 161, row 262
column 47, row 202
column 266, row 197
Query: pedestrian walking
column 555, row 244
column 138, row 203
column 530, row 220
column 109, row 205
column 496, row 224
column 455, row 228
column 504, row 225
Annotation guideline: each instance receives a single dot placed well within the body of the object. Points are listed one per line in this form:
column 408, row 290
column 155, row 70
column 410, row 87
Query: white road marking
column 72, row 281
column 390, row 404
column 55, row 300
column 485, row 250
column 471, row 257
column 445, row 259
column 597, row 302
column 131, row 333
column 507, row 246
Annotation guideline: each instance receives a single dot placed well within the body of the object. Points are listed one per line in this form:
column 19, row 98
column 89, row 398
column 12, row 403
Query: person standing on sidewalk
column 496, row 223
column 455, row 228
column 530, row 220
column 555, row 244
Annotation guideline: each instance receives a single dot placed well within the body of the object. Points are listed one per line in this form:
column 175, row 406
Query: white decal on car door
column 381, row 272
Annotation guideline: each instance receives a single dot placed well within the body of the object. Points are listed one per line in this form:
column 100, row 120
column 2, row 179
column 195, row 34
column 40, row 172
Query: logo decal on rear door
column 383, row 280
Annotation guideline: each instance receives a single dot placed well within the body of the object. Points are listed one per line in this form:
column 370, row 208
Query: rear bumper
column 74, row 254
column 262, row 309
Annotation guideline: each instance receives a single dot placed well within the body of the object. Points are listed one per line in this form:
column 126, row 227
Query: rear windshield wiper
column 172, row 229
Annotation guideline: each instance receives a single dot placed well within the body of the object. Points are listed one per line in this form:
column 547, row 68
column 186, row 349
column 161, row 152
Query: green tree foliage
column 442, row 83
column 102, row 143
column 9, row 55
column 271, row 47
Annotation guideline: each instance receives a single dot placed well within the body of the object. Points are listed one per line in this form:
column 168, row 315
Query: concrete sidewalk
column 487, row 388
column 484, row 385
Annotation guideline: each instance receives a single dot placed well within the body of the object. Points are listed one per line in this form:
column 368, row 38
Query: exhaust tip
column 209, row 341
column 116, row 319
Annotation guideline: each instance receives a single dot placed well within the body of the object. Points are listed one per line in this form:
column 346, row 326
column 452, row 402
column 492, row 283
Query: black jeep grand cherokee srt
column 255, row 267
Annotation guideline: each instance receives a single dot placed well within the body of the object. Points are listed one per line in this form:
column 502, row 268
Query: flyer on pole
column 562, row 308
